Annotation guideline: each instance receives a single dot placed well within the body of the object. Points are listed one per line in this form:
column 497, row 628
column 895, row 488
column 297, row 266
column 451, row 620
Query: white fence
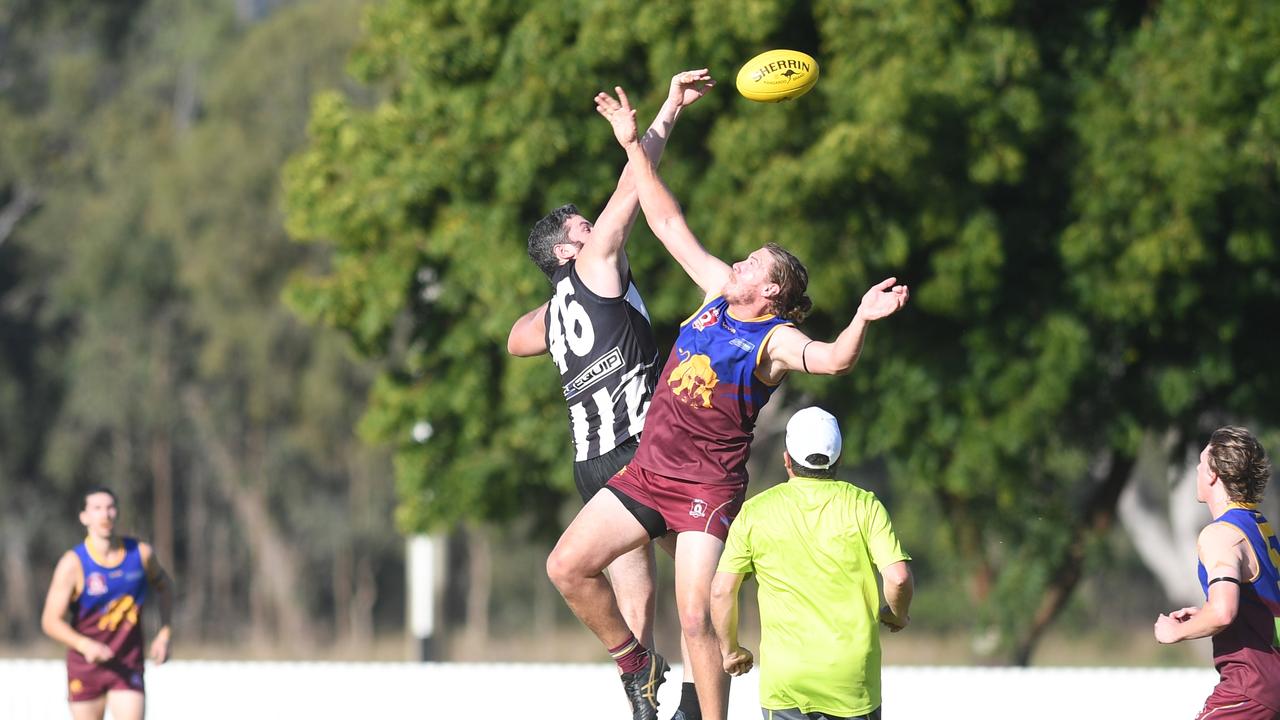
column 194, row 690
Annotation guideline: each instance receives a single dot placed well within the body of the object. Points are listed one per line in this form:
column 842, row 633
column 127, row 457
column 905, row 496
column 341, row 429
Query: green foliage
column 1081, row 197
column 150, row 349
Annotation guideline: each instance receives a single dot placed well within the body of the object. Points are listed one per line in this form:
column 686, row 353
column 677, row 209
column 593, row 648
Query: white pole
column 424, row 558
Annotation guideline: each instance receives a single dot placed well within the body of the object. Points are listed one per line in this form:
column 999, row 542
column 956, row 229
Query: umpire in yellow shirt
column 813, row 544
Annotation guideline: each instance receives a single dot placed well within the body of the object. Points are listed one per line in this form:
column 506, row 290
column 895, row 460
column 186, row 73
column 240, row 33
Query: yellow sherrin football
column 777, row 75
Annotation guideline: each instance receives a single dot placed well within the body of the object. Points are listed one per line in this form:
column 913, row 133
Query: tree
column 143, row 287
column 1081, row 206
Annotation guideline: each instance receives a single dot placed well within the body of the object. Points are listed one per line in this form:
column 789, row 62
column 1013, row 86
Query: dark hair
column 1240, row 463
column 792, row 279
column 546, row 234
column 94, row 490
column 802, row 467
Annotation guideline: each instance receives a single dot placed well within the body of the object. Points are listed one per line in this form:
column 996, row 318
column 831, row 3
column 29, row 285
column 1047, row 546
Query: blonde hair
column 1240, row 462
column 792, row 279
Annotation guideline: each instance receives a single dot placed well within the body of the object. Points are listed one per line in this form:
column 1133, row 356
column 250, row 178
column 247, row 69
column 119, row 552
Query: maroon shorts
column 1229, row 706
column 664, row 504
column 92, row 682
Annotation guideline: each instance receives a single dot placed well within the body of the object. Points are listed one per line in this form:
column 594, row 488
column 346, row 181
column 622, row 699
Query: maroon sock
column 630, row 655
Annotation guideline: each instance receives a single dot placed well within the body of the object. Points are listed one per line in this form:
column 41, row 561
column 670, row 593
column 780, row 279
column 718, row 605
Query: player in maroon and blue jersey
column 102, row 585
column 1239, row 557
column 596, row 329
column 689, row 474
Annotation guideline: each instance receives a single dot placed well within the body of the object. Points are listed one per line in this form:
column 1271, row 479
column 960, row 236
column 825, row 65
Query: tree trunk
column 222, row 586
column 479, row 586
column 545, row 600
column 1165, row 537
column 1099, row 513
column 277, row 580
column 343, row 580
column 24, row 200
column 363, row 601
column 162, row 500
column 19, row 613
column 196, row 581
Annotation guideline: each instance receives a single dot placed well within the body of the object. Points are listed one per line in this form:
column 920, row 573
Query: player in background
column 1239, row 561
column 814, row 544
column 689, row 473
column 597, row 330
column 103, row 583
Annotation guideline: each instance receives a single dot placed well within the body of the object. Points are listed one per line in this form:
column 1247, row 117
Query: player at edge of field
column 597, row 330
column 689, row 473
column 1239, row 572
column 102, row 584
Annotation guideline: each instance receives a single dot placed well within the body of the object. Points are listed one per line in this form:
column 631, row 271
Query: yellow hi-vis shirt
column 814, row 547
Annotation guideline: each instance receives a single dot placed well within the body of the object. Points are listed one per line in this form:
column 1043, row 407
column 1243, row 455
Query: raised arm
column 1225, row 554
column 602, row 263
column 661, row 210
column 790, row 350
column 158, row 581
column 528, row 337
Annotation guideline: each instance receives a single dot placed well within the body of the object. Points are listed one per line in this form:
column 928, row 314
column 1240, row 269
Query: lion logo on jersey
column 693, row 379
column 122, row 609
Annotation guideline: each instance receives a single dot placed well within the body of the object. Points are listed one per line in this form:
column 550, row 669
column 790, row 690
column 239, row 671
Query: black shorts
column 591, row 474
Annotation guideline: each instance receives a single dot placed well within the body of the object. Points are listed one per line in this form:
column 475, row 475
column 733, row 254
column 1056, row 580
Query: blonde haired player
column 1240, row 574
column 689, row 473
column 597, row 332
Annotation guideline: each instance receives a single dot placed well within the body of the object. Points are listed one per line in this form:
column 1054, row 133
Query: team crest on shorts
column 697, row 509
column 95, row 584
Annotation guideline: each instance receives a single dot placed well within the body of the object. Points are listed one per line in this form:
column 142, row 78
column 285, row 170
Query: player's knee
column 695, row 621
column 559, row 570
column 564, row 569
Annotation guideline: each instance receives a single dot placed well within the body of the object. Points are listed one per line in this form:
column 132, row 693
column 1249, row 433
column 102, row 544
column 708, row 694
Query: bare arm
column 790, row 350
column 899, row 587
column 57, row 603
column 158, row 581
column 724, row 616
column 528, row 335
column 1224, row 553
column 602, row 263
column 661, row 209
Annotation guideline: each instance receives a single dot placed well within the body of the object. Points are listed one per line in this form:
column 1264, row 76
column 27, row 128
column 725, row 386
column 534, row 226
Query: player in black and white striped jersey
column 597, row 331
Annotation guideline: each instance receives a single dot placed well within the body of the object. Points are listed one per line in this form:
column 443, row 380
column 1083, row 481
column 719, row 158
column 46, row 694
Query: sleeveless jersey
column 1247, row 652
column 109, row 608
column 607, row 358
column 705, row 408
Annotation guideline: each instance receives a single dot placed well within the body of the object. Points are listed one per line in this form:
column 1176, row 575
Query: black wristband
column 1224, row 578
column 803, row 350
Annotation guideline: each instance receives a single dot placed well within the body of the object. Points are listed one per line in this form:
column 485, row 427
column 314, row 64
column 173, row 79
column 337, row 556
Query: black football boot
column 641, row 687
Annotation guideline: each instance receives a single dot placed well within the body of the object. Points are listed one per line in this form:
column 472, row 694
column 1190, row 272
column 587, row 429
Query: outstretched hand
column 883, row 300
column 620, row 115
column 687, row 87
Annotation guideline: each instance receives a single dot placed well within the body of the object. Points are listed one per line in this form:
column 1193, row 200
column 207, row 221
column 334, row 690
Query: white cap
column 813, row 431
